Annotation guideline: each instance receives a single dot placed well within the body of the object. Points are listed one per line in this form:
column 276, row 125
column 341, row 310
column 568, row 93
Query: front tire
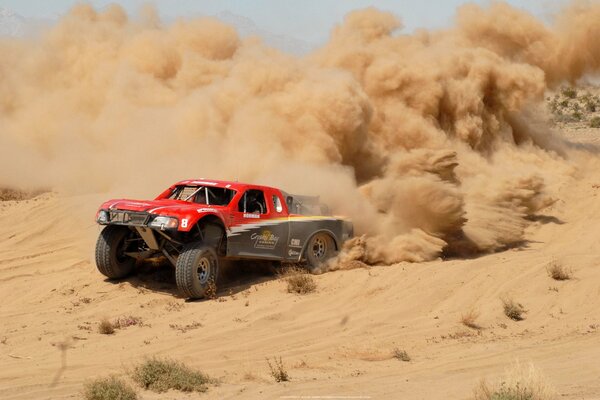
column 196, row 270
column 320, row 248
column 110, row 252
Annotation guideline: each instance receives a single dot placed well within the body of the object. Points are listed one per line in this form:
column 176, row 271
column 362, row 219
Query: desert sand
column 336, row 341
column 465, row 177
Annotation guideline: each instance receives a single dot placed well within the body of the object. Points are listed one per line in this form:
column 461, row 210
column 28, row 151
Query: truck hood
column 159, row 207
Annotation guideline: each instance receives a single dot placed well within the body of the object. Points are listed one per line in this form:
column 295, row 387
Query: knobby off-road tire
column 196, row 270
column 320, row 248
column 110, row 260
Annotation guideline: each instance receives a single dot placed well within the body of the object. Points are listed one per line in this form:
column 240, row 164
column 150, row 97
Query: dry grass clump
column 299, row 281
column 513, row 309
column 185, row 328
column 519, row 384
column 160, row 375
column 461, row 335
column 469, row 320
column 125, row 321
column 111, row 388
column 401, row 355
column 106, row 327
column 277, row 370
column 557, row 272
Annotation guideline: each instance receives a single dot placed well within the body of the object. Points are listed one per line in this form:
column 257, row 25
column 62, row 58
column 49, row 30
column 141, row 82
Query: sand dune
column 337, row 341
column 436, row 143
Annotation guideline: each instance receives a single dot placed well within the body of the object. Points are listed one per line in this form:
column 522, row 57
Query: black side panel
column 302, row 228
column 263, row 239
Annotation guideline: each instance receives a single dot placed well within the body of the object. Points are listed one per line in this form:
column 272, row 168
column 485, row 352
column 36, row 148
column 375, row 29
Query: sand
column 338, row 341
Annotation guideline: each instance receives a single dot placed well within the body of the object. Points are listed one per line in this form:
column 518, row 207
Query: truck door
column 260, row 226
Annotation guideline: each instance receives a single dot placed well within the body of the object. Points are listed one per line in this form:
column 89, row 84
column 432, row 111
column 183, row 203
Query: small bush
column 401, row 355
column 277, row 370
column 125, row 321
column 590, row 104
column 111, row 388
column 106, row 327
column 461, row 335
column 513, row 310
column 185, row 328
column 576, row 116
column 161, row 375
column 569, row 92
column 557, row 272
column 595, row 122
column 300, row 282
column 470, row 320
column 518, row 384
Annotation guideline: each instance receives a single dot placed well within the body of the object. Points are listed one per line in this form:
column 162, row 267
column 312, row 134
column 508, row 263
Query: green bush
column 161, row 375
column 595, row 122
column 111, row 388
column 569, row 92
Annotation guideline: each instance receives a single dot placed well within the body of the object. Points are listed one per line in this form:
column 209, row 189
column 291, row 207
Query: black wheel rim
column 204, row 269
column 319, row 247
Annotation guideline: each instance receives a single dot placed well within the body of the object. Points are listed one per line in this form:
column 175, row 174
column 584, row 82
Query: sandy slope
column 337, row 341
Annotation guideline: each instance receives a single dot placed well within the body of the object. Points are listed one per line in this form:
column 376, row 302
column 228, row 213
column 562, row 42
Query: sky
column 308, row 20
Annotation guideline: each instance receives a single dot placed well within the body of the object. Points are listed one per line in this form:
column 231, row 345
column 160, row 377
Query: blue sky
column 309, row 20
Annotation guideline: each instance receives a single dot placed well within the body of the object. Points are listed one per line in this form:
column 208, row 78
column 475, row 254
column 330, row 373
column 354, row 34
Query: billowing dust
column 425, row 140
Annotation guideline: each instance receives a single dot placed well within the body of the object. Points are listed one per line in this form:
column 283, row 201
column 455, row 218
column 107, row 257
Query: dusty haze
column 424, row 140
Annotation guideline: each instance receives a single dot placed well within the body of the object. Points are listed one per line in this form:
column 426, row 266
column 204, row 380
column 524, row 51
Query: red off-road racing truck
column 194, row 223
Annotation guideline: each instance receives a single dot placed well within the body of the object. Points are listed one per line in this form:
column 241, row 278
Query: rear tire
column 110, row 260
column 196, row 271
column 320, row 248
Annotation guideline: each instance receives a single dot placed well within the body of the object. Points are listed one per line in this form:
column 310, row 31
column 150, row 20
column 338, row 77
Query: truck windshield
column 203, row 195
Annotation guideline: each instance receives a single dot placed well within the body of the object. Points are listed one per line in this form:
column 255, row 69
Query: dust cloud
column 425, row 140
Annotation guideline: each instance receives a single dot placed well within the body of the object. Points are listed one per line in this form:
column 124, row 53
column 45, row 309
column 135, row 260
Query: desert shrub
column 518, row 384
column 589, row 103
column 569, row 92
column 111, row 388
column 557, row 272
column 595, row 122
column 277, row 370
column 469, row 320
column 106, row 327
column 577, row 116
column 160, row 375
column 125, row 321
column 512, row 309
column 299, row 281
column 401, row 355
column 187, row 327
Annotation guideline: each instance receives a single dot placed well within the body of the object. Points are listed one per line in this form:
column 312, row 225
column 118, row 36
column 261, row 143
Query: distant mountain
column 11, row 23
column 246, row 27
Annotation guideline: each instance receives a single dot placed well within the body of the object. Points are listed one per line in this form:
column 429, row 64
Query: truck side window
column 277, row 204
column 253, row 201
